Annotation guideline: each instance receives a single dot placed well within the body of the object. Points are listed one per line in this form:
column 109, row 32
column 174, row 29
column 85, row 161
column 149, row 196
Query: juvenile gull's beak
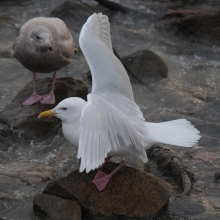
column 48, row 46
column 46, row 114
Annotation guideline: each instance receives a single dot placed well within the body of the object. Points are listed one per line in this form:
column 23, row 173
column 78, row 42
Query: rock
column 56, row 208
column 202, row 24
column 147, row 65
column 24, row 173
column 24, row 119
column 185, row 206
column 130, row 193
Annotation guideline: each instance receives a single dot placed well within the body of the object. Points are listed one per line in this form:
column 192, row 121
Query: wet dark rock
column 56, row 208
column 113, row 6
column 130, row 193
column 147, row 65
column 200, row 24
column 23, row 120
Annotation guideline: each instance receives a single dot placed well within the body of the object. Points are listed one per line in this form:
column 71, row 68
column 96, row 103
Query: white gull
column 110, row 123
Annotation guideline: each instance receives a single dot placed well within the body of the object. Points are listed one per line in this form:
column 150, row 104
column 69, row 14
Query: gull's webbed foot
column 48, row 99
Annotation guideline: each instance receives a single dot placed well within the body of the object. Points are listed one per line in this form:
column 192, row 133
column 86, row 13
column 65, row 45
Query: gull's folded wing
column 104, row 128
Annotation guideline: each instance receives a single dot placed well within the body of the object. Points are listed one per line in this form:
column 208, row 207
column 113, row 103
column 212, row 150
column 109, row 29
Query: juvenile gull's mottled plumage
column 110, row 123
column 44, row 45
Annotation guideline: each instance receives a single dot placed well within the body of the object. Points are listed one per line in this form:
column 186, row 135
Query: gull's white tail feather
column 178, row 132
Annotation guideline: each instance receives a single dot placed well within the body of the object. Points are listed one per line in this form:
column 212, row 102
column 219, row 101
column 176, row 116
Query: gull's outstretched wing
column 104, row 128
column 108, row 74
column 109, row 77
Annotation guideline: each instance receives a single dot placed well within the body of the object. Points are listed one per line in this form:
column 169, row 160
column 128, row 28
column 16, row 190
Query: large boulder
column 17, row 120
column 130, row 193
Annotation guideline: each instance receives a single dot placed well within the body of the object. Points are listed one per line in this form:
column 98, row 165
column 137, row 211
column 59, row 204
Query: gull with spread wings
column 110, row 123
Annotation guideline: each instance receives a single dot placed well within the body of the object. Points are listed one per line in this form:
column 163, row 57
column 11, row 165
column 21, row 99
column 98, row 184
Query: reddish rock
column 130, row 193
column 56, row 208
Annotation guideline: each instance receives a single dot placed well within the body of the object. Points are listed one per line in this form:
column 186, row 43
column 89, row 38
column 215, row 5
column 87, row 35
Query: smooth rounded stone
column 147, row 65
column 202, row 24
column 24, row 173
column 24, row 119
column 130, row 193
column 56, row 208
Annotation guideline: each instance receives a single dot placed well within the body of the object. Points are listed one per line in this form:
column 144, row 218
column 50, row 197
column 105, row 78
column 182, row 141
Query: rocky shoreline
column 173, row 47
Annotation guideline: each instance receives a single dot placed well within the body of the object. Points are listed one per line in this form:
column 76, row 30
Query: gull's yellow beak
column 46, row 114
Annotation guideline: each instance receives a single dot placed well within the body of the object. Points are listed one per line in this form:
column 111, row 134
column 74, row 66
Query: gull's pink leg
column 101, row 179
column 49, row 98
column 106, row 160
column 35, row 97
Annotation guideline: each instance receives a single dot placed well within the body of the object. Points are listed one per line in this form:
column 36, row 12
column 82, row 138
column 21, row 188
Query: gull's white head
column 40, row 38
column 69, row 110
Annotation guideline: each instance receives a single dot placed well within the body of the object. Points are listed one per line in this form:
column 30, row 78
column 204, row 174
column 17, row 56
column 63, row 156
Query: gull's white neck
column 71, row 132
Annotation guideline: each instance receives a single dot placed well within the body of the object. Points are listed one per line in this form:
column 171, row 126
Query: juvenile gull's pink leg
column 35, row 97
column 49, row 98
column 101, row 179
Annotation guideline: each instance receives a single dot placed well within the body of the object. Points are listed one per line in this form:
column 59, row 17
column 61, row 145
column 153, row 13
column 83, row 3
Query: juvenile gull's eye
column 64, row 108
column 37, row 37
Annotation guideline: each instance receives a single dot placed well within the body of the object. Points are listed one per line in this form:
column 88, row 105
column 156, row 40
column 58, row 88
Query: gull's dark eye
column 38, row 37
column 64, row 109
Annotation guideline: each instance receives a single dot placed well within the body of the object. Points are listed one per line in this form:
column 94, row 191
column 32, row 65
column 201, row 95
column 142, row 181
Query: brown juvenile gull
column 44, row 45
